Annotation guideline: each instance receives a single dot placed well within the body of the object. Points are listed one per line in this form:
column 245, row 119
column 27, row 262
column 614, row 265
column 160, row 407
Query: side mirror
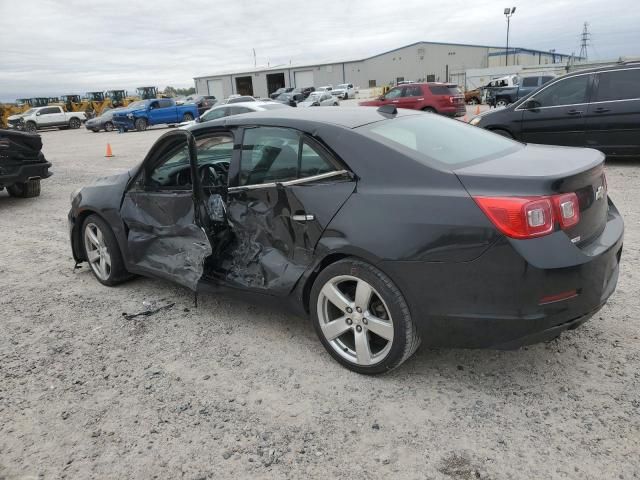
column 38, row 113
column 531, row 104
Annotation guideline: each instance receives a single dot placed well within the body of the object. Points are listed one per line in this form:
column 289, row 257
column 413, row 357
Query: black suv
column 597, row 108
column 22, row 163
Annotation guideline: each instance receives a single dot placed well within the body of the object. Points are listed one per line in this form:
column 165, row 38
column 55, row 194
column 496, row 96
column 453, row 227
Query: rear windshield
column 433, row 140
column 444, row 90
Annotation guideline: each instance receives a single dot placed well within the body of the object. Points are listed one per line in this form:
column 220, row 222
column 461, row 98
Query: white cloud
column 55, row 47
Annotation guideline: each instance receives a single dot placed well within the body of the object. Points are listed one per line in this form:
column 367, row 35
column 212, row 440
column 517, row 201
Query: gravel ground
column 231, row 390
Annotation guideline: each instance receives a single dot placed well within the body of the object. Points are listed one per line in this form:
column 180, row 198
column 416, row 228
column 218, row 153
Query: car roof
column 346, row 117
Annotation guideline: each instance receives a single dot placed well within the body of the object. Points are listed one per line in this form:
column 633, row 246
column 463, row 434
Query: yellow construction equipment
column 119, row 98
column 74, row 103
column 97, row 102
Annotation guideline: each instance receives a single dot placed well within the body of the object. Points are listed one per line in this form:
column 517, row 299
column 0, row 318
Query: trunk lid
column 538, row 170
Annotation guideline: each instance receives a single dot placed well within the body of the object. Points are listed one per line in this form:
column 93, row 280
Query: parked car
column 203, row 102
column 237, row 99
column 103, row 122
column 45, row 117
column 144, row 113
column 386, row 227
column 344, row 91
column 442, row 98
column 22, row 163
column 275, row 94
column 220, row 111
column 473, row 97
column 304, row 91
column 292, row 98
column 598, row 108
column 503, row 96
column 319, row 99
column 326, row 88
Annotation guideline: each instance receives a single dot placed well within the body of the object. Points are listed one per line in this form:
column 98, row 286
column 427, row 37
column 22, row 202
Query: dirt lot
column 230, row 390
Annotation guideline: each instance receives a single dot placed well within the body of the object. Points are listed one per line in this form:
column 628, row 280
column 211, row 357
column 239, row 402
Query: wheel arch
column 76, row 232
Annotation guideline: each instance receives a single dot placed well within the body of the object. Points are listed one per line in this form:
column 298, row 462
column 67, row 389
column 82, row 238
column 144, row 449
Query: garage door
column 215, row 88
column 303, row 79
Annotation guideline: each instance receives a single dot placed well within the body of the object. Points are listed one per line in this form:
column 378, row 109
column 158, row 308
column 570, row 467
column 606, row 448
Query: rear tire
column 140, row 124
column 429, row 110
column 374, row 332
column 346, row 96
column 74, row 123
column 187, row 117
column 28, row 189
column 502, row 103
column 102, row 252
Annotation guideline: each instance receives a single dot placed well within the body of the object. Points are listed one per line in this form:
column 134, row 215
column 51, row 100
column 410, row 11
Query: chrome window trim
column 288, row 183
column 585, row 103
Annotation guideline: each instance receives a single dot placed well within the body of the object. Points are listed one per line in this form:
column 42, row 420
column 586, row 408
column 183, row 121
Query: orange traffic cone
column 478, row 110
column 109, row 152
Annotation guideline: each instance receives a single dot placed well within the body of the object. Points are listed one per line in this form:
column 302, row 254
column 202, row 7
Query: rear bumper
column 10, row 175
column 453, row 111
column 495, row 300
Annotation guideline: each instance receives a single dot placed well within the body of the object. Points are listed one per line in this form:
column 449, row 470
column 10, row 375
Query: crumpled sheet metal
column 163, row 236
column 261, row 257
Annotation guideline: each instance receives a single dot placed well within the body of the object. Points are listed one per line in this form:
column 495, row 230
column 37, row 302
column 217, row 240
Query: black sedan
column 385, row 227
column 597, row 108
column 102, row 122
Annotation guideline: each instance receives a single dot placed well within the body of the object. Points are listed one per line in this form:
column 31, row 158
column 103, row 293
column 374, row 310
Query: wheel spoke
column 93, row 255
column 363, row 351
column 102, row 267
column 336, row 297
column 382, row 328
column 335, row 328
column 107, row 259
column 100, row 237
column 93, row 238
column 363, row 295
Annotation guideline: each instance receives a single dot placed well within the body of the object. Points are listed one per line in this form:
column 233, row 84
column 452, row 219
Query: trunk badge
column 600, row 192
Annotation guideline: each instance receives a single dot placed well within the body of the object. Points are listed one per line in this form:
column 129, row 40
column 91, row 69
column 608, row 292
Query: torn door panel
column 163, row 236
column 261, row 255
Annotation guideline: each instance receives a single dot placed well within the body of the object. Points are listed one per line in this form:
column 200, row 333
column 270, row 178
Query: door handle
column 395, row 101
column 574, row 112
column 304, row 217
column 602, row 110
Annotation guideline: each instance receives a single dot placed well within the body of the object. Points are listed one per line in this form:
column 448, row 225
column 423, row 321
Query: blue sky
column 53, row 47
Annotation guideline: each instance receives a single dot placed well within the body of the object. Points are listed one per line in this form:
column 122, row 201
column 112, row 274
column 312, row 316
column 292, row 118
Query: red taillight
column 452, row 99
column 567, row 209
column 530, row 217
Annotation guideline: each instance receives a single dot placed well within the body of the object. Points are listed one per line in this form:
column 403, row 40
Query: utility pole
column 508, row 12
column 585, row 37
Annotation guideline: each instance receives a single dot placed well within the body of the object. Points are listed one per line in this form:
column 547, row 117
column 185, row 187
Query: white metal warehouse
column 428, row 61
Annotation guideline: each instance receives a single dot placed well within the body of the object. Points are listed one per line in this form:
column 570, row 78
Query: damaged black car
column 22, row 163
column 386, row 227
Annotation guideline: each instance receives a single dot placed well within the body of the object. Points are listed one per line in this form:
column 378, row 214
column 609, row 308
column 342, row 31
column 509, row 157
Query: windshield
column 430, row 138
column 31, row 111
column 284, row 97
column 344, row 86
column 314, row 96
column 138, row 104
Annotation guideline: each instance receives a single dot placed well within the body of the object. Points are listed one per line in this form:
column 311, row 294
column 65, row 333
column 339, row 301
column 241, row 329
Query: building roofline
column 310, row 65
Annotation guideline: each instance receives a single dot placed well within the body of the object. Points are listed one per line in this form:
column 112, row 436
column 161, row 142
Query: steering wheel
column 213, row 175
column 183, row 177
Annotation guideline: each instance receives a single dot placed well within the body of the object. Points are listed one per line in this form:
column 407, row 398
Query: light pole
column 508, row 12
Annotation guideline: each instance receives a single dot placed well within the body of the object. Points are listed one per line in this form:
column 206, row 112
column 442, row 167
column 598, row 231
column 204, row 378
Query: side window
column 238, row 110
column 173, row 172
column 213, row 114
column 153, row 105
column 569, row 91
column 269, row 154
column 165, row 103
column 413, row 91
column 393, row 93
column 530, row 82
column 314, row 161
column 546, row 79
column 619, row 85
column 50, row 110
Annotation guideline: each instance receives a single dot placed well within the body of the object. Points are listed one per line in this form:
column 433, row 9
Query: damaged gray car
column 372, row 222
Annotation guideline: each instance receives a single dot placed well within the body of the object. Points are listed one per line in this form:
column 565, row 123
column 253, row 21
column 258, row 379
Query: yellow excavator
column 119, row 98
column 97, row 103
column 74, row 103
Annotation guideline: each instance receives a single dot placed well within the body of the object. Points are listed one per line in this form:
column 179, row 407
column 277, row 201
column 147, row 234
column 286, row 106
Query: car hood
column 124, row 112
column 16, row 117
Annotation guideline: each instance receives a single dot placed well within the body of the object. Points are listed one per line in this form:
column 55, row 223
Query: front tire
column 187, row 117
column 429, row 110
column 140, row 124
column 362, row 318
column 346, row 96
column 108, row 127
column 31, row 127
column 502, row 103
column 102, row 252
column 28, row 189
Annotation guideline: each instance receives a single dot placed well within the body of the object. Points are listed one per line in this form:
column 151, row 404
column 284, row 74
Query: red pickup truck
column 443, row 98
